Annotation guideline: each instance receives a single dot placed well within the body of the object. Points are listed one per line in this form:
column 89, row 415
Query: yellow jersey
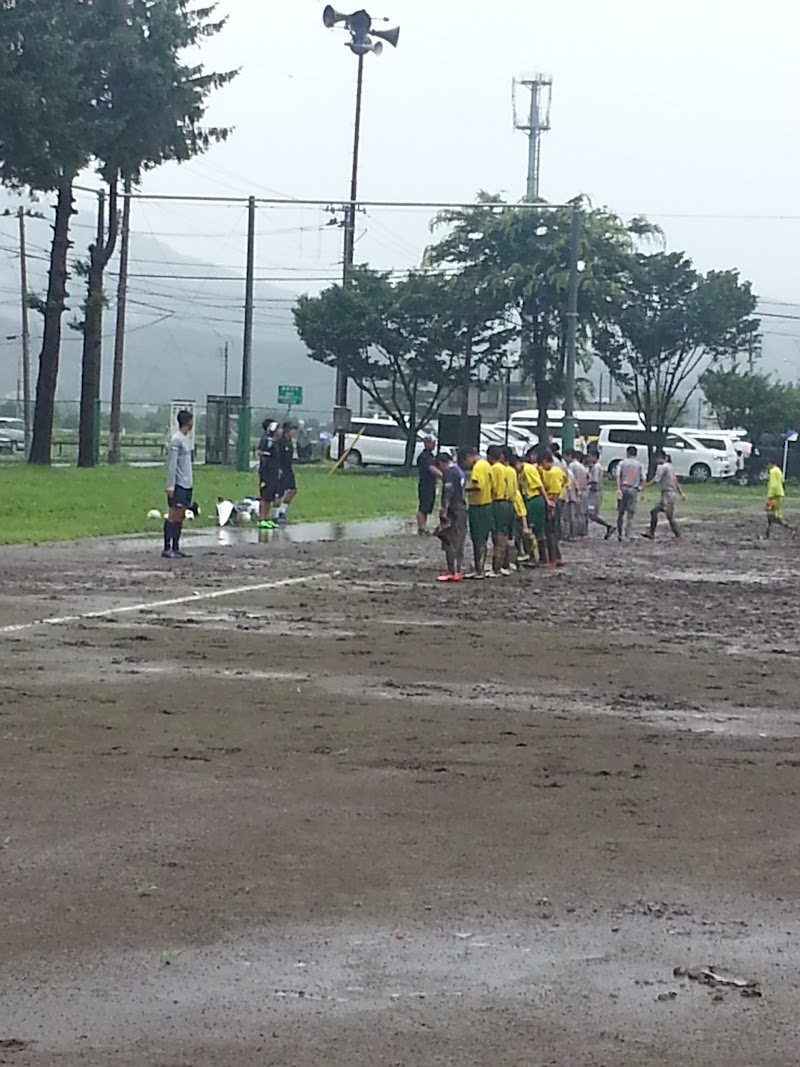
column 479, row 483
column 498, row 476
column 530, row 481
column 775, row 489
column 519, row 505
column 512, row 482
column 554, row 481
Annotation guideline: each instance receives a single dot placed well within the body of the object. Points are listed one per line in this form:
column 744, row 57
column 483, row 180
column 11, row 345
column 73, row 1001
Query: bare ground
column 366, row 820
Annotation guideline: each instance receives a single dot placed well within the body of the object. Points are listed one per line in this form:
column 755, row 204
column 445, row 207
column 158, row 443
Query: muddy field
column 344, row 816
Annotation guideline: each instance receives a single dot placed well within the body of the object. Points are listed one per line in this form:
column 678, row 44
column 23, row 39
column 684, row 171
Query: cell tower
column 535, row 123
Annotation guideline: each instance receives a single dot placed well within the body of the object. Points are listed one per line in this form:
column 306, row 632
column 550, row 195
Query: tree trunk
column 99, row 255
column 411, row 440
column 542, row 389
column 90, row 364
column 44, row 410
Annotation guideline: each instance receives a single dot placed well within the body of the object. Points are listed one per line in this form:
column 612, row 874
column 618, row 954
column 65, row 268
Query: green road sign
column 290, row 395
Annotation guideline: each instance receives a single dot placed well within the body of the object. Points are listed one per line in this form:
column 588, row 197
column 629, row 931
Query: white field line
column 129, row 609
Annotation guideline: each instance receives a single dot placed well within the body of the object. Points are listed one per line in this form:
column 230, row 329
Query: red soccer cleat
column 445, row 578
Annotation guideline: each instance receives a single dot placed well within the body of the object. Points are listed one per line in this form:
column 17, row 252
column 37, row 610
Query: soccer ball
column 245, row 517
column 154, row 514
column 189, row 514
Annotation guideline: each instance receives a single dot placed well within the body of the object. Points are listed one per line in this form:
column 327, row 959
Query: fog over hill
column 177, row 325
column 182, row 312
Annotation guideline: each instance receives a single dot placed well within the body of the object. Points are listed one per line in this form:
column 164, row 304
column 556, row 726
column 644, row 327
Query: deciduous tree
column 666, row 324
column 409, row 338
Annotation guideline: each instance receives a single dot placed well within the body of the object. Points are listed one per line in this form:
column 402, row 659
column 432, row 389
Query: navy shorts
column 268, row 487
column 181, row 498
column 288, row 481
column 427, row 498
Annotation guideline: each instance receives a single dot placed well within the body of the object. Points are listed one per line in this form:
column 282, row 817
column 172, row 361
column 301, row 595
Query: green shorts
column 775, row 507
column 481, row 523
column 503, row 517
column 537, row 514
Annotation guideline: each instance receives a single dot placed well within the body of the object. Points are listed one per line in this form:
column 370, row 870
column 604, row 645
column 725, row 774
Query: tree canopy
column 665, row 324
column 752, row 401
column 404, row 341
column 522, row 253
column 102, row 82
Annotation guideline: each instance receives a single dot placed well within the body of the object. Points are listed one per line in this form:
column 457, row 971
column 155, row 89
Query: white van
column 723, row 441
column 689, row 458
column 382, row 444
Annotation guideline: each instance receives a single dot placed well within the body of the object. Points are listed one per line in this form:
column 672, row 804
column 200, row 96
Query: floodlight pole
column 341, row 413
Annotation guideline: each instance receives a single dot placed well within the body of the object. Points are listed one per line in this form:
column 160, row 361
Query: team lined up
column 526, row 506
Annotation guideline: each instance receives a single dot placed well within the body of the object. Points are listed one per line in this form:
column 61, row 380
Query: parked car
column 722, row 441
column 13, row 430
column 519, row 438
column 382, row 444
column 689, row 458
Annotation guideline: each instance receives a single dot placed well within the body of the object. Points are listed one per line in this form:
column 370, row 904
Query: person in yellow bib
column 554, row 480
column 478, row 489
column 533, row 494
column 515, row 547
column 503, row 510
column 776, row 492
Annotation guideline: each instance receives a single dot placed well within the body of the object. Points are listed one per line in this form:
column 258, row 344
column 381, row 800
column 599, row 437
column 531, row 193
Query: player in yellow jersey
column 776, row 494
column 554, row 480
column 535, row 498
column 520, row 532
column 478, row 489
column 503, row 509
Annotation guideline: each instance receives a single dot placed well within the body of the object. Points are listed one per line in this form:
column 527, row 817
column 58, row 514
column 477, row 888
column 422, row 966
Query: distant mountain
column 181, row 355
column 177, row 327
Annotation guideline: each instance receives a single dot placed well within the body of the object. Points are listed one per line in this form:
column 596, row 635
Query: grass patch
column 65, row 504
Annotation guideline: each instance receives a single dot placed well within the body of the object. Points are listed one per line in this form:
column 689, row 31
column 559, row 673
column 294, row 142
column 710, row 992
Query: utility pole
column 115, row 450
column 363, row 39
column 534, row 124
column 572, row 329
column 342, row 414
column 245, row 411
column 26, row 332
column 225, row 358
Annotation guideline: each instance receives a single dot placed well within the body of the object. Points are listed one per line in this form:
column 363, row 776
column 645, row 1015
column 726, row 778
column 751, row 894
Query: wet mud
column 368, row 820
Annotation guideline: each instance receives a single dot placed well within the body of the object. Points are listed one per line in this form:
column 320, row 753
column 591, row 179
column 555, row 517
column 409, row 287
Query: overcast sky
column 692, row 113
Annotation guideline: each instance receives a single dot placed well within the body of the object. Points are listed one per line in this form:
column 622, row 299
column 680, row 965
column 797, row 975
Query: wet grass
column 65, row 504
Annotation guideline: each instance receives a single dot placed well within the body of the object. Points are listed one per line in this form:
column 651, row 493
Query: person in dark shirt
column 287, row 489
column 428, row 473
column 269, row 472
column 452, row 531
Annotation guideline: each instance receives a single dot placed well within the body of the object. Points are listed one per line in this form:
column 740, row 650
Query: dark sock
column 176, row 536
column 167, row 535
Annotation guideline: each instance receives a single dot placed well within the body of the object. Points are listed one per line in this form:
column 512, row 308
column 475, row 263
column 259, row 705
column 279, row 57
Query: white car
column 722, row 441
column 689, row 458
column 382, row 444
column 519, row 438
column 12, row 430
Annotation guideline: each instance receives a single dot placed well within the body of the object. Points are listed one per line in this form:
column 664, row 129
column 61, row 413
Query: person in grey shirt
column 667, row 481
column 594, row 493
column 630, row 478
column 180, row 481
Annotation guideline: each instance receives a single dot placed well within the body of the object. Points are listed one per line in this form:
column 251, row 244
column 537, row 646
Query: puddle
column 339, row 970
column 243, row 621
column 296, row 533
column 724, row 577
